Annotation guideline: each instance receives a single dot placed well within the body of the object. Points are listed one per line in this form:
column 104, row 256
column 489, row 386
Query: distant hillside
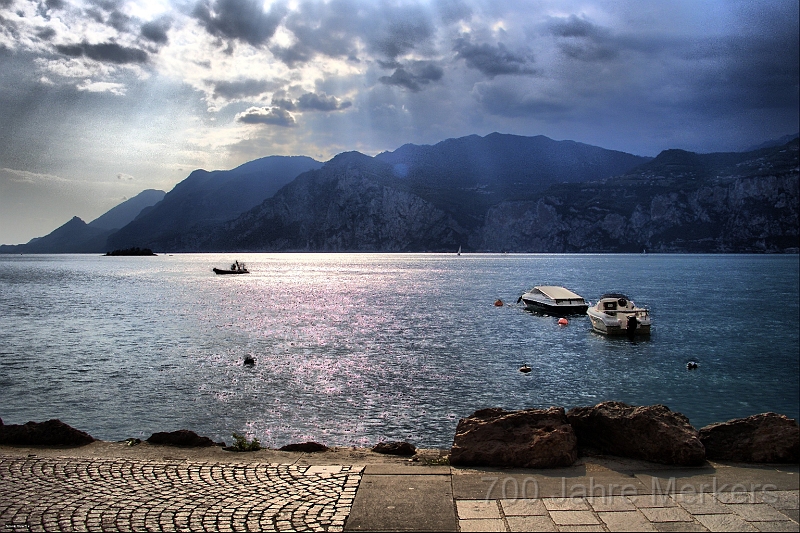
column 775, row 142
column 78, row 237
column 73, row 237
column 679, row 202
column 206, row 199
column 128, row 210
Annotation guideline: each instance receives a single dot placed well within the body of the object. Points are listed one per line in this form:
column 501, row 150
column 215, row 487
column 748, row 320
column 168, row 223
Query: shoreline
column 427, row 459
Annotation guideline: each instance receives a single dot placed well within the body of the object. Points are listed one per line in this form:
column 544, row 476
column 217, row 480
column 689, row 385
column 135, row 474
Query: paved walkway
column 49, row 492
column 80, row 494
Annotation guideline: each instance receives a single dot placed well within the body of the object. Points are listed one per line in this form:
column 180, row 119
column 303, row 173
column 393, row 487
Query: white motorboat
column 616, row 314
column 553, row 300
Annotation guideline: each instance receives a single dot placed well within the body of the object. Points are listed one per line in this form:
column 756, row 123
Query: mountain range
column 501, row 193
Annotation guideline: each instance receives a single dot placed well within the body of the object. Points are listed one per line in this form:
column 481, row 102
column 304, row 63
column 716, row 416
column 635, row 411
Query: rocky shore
column 529, row 438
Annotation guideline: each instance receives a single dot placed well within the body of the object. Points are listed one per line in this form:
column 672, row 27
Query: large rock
column 764, row 438
column 51, row 433
column 307, row 447
column 395, row 448
column 182, row 438
column 652, row 433
column 531, row 438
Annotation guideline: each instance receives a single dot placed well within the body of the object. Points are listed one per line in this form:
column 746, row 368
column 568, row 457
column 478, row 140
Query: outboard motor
column 631, row 327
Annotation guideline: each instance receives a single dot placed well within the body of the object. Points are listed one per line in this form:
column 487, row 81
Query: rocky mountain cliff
column 415, row 199
column 679, row 202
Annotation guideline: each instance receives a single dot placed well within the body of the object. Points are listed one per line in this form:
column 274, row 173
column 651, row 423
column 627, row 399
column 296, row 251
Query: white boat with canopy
column 554, row 300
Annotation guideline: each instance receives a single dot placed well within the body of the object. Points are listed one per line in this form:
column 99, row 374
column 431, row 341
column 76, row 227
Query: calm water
column 351, row 349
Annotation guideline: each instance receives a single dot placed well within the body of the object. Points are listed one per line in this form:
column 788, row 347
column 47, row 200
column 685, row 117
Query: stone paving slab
column 403, row 502
column 85, row 494
column 675, row 512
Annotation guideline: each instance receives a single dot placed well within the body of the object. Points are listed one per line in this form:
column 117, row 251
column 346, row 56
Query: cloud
column 156, row 30
column 321, row 102
column 235, row 89
column 105, row 52
column 414, row 79
column 512, row 100
column 492, row 60
column 240, row 20
column 267, row 115
column 102, row 87
column 580, row 39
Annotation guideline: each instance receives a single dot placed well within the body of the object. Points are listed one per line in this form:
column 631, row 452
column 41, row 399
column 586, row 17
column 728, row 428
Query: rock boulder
column 395, row 448
column 182, row 438
column 652, row 433
column 531, row 438
column 51, row 433
column 764, row 438
column 308, row 447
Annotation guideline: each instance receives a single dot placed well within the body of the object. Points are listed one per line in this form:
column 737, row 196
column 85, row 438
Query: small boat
column 616, row 314
column 553, row 300
column 525, row 369
column 236, row 268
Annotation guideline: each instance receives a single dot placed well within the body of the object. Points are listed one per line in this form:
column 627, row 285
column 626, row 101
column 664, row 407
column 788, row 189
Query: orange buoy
column 498, row 303
column 563, row 321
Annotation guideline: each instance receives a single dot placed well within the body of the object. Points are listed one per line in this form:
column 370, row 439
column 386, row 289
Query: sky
column 101, row 99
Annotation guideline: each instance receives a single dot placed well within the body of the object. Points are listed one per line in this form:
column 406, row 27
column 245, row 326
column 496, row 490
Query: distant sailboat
column 459, row 251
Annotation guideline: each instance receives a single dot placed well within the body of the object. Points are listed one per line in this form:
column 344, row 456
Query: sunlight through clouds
column 241, row 79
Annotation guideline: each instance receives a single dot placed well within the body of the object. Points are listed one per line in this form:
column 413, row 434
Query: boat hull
column 554, row 309
column 616, row 327
column 220, row 271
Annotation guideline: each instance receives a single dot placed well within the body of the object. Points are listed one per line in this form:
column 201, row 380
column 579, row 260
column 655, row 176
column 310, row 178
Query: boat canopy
column 558, row 293
column 614, row 295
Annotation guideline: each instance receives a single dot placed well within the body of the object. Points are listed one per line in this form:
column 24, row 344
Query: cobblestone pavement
column 762, row 511
column 85, row 494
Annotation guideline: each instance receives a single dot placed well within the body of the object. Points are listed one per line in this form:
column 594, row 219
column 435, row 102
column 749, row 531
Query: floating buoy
column 563, row 321
column 524, row 369
column 691, row 365
column 498, row 303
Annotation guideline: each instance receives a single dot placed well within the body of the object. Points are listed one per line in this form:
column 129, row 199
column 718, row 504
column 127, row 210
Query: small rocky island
column 131, row 251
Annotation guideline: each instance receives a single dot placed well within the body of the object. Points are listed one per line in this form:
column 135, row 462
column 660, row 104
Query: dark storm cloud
column 493, row 60
column 109, row 12
column 156, row 30
column 321, row 102
column 406, row 28
column 239, row 88
column 241, row 20
column 452, row 11
column 330, row 29
column 263, row 115
column 294, row 55
column 46, row 34
column 105, row 52
column 580, row 39
column 337, row 29
column 745, row 72
column 503, row 100
column 279, row 100
column 415, row 77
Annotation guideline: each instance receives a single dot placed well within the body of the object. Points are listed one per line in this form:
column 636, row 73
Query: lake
column 351, row 349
